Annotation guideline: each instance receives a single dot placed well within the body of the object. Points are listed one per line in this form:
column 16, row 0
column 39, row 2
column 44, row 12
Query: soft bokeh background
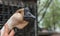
column 49, row 14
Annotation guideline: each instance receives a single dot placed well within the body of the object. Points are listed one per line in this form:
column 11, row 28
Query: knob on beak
column 28, row 14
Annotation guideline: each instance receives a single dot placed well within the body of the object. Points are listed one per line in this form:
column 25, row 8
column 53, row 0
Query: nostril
column 29, row 14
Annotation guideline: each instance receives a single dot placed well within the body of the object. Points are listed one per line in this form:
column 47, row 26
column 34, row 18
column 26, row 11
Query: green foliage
column 52, row 16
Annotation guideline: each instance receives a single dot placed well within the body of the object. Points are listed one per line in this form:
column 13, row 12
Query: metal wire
column 9, row 9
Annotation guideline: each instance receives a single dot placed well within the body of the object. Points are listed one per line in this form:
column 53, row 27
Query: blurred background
column 48, row 17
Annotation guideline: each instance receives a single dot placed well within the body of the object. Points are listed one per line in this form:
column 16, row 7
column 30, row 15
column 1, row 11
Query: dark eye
column 19, row 11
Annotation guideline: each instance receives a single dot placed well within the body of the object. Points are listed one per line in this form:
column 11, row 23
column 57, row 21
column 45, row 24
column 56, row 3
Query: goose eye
column 19, row 11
